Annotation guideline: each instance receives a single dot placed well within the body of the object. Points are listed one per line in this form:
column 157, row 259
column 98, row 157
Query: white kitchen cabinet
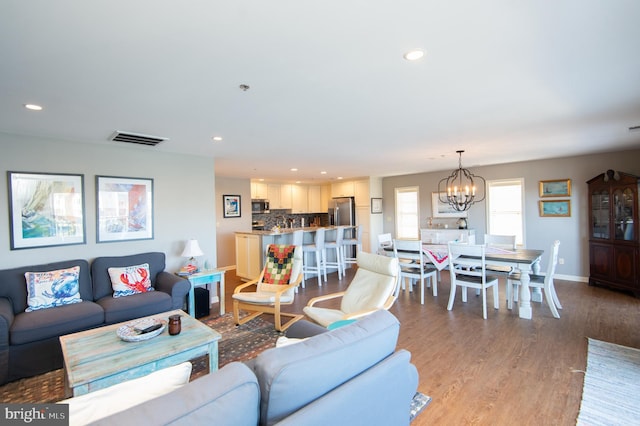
column 361, row 191
column 363, row 218
column 273, row 195
column 285, row 196
column 315, row 199
column 325, row 195
column 248, row 256
column 299, row 199
column 342, row 189
column 259, row 190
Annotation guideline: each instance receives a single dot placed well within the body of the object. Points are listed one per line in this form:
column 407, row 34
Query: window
column 505, row 206
column 407, row 213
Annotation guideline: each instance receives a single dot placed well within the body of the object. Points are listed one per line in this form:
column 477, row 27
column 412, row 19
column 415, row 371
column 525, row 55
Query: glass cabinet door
column 623, row 214
column 600, row 224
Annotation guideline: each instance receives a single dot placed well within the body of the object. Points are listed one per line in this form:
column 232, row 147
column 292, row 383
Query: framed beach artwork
column 376, row 205
column 46, row 209
column 440, row 209
column 555, row 188
column 555, row 208
column 124, row 209
column 231, row 206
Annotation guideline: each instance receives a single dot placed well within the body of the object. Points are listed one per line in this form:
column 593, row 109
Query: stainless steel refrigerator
column 342, row 212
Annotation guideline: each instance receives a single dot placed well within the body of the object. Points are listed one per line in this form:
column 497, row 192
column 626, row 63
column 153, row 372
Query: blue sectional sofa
column 352, row 375
column 29, row 341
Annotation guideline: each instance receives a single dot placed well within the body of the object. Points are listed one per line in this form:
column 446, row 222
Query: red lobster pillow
column 130, row 280
column 279, row 264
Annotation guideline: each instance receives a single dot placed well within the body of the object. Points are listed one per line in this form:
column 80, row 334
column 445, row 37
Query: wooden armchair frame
column 261, row 308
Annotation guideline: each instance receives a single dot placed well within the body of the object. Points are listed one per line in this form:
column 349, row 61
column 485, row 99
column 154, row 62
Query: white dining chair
column 417, row 268
column 384, row 241
column 544, row 282
column 468, row 270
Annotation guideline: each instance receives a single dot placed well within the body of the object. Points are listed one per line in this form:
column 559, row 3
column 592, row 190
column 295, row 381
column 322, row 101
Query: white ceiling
column 504, row 80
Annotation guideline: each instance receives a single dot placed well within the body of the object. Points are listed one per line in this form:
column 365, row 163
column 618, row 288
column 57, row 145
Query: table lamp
column 192, row 250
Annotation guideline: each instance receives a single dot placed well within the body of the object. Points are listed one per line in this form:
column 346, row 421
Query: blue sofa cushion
column 100, row 270
column 45, row 323
column 322, row 363
column 227, row 397
column 13, row 284
column 134, row 306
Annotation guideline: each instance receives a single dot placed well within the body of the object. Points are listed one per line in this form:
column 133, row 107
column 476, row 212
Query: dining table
column 524, row 261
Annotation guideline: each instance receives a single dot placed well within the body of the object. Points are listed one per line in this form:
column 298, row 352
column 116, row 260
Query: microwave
column 259, row 206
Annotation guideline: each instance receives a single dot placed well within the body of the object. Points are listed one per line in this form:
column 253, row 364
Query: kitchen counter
column 284, row 231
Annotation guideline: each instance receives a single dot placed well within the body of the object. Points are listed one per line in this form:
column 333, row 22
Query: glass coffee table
column 98, row 358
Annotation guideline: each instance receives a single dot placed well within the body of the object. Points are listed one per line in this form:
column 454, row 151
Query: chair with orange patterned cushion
column 276, row 285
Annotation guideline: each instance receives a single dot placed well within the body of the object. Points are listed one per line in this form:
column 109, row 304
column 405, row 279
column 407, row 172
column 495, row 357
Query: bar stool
column 337, row 245
column 316, row 247
column 298, row 240
column 347, row 243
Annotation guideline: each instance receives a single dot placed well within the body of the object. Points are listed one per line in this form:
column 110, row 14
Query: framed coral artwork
column 124, row 209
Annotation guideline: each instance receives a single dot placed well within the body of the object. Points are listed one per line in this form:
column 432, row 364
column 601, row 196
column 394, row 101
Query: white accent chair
column 374, row 287
column 544, row 282
column 317, row 248
column 417, row 268
column 269, row 297
column 468, row 270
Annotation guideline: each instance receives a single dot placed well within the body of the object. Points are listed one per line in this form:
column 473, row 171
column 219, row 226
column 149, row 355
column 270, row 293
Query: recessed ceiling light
column 339, row 177
column 33, row 107
column 323, row 172
column 217, row 138
column 414, row 55
column 294, row 169
column 298, row 181
column 261, row 179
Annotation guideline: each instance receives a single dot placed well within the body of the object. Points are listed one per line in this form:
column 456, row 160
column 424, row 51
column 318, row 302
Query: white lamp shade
column 192, row 249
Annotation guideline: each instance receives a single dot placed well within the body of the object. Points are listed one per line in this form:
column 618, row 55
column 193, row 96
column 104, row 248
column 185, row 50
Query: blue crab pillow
column 130, row 280
column 52, row 288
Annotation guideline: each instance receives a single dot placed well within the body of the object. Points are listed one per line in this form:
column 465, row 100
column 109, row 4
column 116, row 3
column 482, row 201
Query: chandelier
column 459, row 189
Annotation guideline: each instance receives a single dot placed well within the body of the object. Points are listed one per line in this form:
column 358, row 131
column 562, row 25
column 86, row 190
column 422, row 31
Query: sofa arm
column 175, row 286
column 6, row 319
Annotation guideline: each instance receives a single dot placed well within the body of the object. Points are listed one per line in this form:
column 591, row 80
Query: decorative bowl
column 131, row 332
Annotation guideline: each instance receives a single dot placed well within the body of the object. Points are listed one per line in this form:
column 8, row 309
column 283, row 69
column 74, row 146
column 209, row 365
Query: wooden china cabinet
column 614, row 251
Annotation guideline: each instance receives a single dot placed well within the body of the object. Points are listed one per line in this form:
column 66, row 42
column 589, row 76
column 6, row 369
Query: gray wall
column 184, row 202
column 540, row 232
column 226, row 227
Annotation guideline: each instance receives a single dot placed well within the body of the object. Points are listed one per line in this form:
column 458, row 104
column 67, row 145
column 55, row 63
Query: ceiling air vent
column 137, row 138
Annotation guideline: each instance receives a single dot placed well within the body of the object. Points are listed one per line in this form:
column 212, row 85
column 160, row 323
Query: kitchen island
column 251, row 246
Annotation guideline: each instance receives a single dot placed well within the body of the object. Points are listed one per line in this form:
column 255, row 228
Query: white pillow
column 96, row 405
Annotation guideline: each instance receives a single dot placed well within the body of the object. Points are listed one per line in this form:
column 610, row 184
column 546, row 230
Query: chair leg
column 319, row 267
column 550, row 302
column 484, row 302
column 555, row 296
column 422, row 291
column 496, row 296
column 434, row 284
column 452, row 296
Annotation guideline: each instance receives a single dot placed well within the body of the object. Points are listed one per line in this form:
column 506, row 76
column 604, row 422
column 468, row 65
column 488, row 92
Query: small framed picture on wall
column 231, row 206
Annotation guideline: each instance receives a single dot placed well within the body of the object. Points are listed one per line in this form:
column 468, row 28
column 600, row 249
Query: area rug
column 611, row 391
column 238, row 343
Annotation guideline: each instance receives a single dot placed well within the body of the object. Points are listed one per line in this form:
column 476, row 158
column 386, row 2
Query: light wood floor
column 503, row 370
